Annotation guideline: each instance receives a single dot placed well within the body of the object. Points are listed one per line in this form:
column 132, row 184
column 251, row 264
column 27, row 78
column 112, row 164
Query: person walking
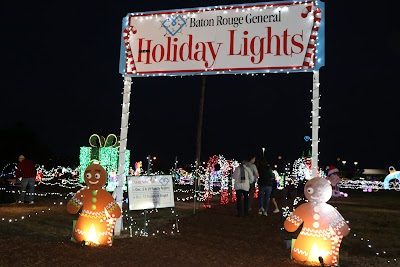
column 250, row 162
column 273, row 196
column 243, row 177
column 265, row 180
column 26, row 170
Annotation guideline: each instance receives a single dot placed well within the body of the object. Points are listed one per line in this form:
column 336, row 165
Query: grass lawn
column 40, row 234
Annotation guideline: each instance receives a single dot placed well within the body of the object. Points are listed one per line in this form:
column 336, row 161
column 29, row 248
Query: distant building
column 378, row 174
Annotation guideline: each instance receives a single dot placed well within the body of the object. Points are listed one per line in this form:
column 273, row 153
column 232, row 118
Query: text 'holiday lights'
column 256, row 38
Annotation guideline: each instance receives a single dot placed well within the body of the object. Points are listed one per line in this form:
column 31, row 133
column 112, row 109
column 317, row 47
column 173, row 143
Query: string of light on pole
column 119, row 193
column 315, row 124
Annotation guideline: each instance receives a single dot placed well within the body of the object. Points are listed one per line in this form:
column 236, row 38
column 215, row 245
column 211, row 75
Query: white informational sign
column 150, row 192
column 259, row 37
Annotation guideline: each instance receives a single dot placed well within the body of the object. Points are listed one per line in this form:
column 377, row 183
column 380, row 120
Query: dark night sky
column 60, row 78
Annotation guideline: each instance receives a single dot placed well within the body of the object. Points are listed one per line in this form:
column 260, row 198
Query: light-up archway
column 267, row 38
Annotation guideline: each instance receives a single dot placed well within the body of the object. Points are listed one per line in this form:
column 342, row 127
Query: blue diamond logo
column 174, row 25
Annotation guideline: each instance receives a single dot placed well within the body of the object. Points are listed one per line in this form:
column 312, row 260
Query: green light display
column 108, row 158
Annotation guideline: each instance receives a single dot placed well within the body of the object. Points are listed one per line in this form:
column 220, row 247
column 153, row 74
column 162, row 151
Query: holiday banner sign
column 257, row 38
column 150, row 192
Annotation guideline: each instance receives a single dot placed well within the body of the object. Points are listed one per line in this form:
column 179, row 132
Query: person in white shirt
column 243, row 177
column 250, row 162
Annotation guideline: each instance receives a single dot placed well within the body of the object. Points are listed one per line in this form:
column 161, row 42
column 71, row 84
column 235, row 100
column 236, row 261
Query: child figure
column 96, row 221
column 333, row 177
column 323, row 228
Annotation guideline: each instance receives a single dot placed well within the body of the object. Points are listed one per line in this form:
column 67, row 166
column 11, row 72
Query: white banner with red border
column 256, row 38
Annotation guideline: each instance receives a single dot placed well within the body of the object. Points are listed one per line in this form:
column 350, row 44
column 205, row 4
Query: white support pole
column 315, row 124
column 119, row 193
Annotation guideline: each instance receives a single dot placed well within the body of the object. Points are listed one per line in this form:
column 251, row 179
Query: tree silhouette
column 21, row 140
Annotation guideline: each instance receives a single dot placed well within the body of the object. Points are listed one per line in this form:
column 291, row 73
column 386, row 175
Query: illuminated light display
column 39, row 174
column 301, row 171
column 224, row 197
column 323, row 226
column 138, row 168
column 10, row 169
column 279, row 180
column 217, row 177
column 96, row 221
column 392, row 180
column 212, row 181
column 183, row 177
column 104, row 151
column 361, row 184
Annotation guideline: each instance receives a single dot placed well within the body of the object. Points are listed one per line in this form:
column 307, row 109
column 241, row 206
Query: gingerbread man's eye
column 88, row 175
column 310, row 190
column 320, row 190
column 97, row 176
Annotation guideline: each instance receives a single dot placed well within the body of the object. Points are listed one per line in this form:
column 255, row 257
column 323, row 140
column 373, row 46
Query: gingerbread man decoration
column 323, row 226
column 96, row 221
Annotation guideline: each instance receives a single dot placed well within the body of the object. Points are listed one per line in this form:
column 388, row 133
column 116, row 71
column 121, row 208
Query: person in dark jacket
column 26, row 170
column 265, row 181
